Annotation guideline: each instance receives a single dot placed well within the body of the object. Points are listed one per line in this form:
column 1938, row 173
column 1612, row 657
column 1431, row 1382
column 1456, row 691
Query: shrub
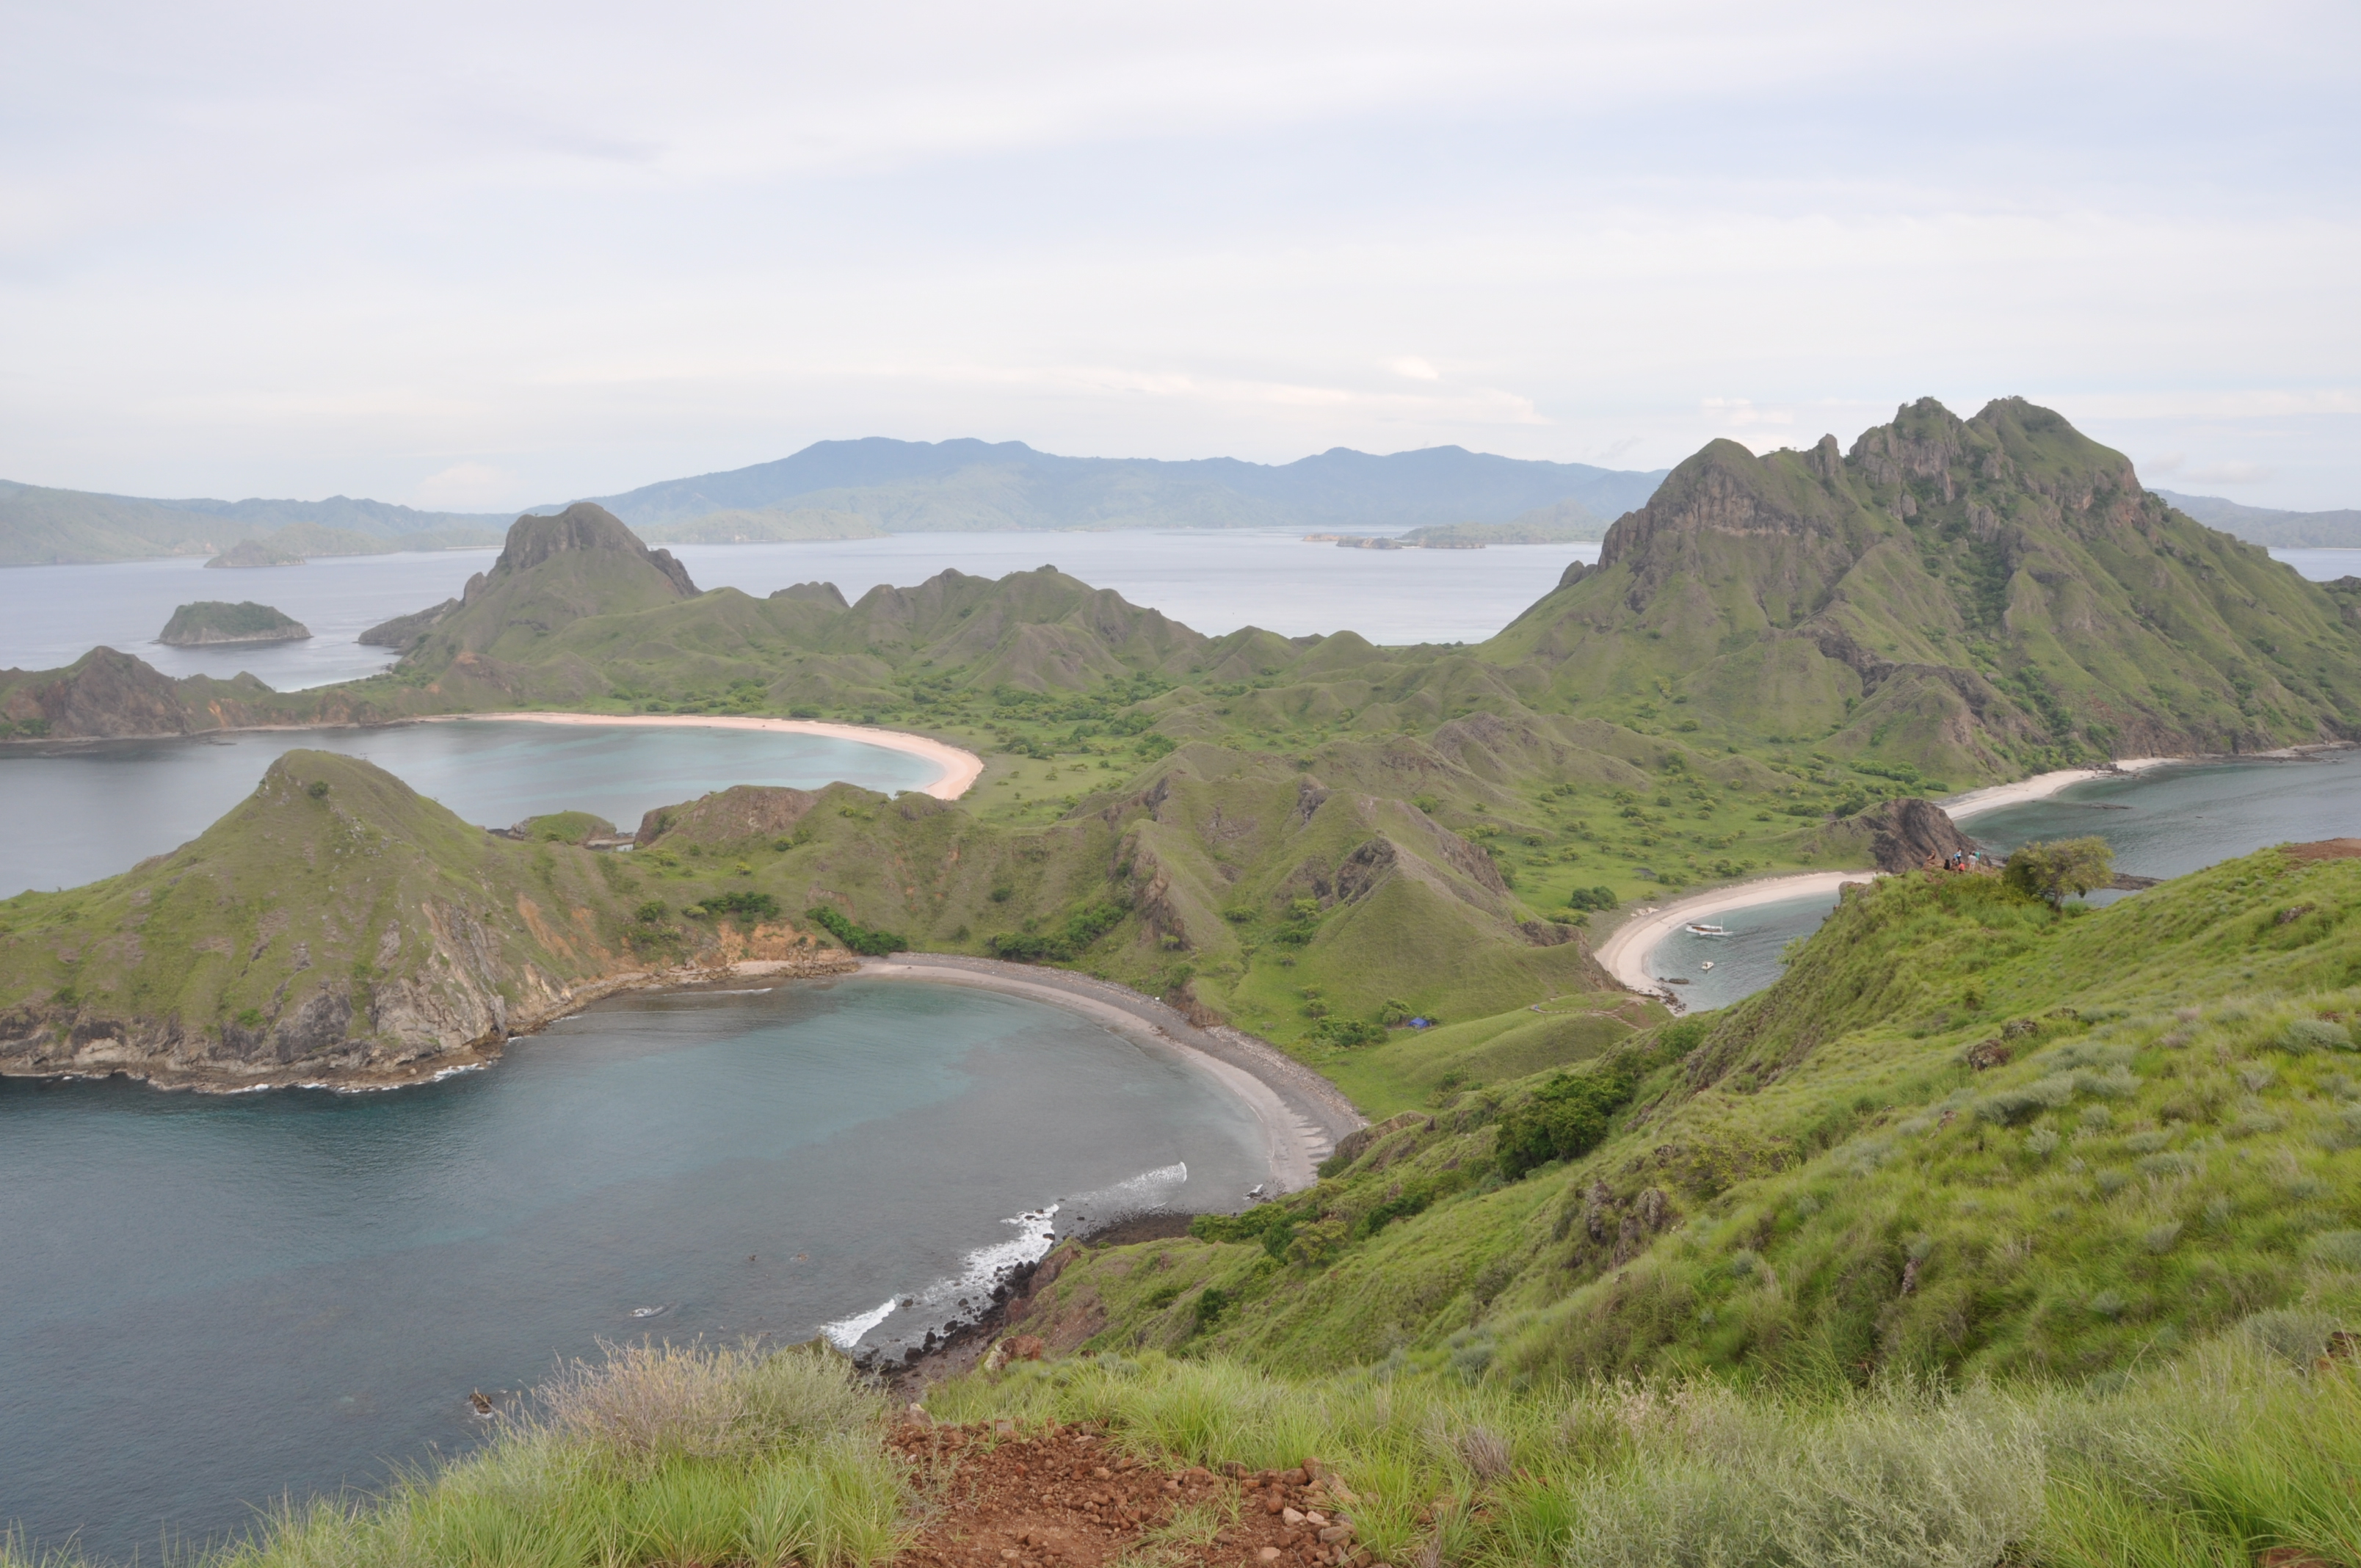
column 1080, row 927
column 856, row 938
column 1566, row 1119
column 751, row 907
column 646, row 1404
column 2064, row 867
column 2313, row 1034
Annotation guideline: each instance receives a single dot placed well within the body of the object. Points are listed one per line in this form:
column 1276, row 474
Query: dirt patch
column 1066, row 1497
column 2326, row 850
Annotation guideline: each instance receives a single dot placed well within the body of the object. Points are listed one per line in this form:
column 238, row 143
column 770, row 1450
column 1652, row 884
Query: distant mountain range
column 2261, row 525
column 40, row 527
column 844, row 489
column 916, row 487
column 850, row 490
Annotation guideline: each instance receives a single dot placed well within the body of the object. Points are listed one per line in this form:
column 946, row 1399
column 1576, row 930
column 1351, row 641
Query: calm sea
column 209, row 1302
column 2160, row 823
column 1215, row 582
column 105, row 806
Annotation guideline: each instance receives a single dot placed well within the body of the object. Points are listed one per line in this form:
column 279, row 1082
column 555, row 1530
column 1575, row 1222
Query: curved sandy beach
column 1301, row 1113
column 1624, row 954
column 2040, row 786
column 960, row 768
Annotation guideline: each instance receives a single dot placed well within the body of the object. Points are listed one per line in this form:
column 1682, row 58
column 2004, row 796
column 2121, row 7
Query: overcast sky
column 485, row 255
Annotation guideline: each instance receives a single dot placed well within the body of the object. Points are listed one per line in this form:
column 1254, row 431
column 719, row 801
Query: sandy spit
column 1301, row 1113
column 960, row 768
column 2040, row 786
column 1625, row 954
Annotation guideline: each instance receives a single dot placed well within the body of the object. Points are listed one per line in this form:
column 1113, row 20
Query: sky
column 476, row 257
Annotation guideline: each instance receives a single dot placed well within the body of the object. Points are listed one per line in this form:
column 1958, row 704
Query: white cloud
column 282, row 250
column 466, row 487
column 2230, row 473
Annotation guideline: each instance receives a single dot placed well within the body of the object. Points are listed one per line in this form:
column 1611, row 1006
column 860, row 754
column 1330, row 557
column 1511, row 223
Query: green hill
column 1312, row 835
column 1962, row 1134
column 210, row 621
column 337, row 926
column 1967, row 598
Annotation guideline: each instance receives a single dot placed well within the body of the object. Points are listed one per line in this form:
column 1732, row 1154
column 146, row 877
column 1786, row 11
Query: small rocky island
column 210, row 621
column 255, row 552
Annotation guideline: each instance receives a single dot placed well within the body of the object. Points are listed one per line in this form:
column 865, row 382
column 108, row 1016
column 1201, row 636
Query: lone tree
column 2060, row 870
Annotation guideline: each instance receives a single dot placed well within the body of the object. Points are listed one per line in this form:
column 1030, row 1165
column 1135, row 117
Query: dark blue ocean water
column 209, row 1301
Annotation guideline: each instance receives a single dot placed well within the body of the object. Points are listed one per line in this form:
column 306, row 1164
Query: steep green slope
column 1962, row 1132
column 1964, row 597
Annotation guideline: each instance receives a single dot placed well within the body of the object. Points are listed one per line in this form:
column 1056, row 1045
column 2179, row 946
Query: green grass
column 1823, row 1179
column 2226, row 1452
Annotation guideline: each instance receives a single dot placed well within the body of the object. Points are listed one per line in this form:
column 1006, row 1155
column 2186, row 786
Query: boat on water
column 1697, row 929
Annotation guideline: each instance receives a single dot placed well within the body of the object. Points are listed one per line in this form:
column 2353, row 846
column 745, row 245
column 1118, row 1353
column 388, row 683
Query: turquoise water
column 103, row 807
column 2161, row 823
column 209, row 1301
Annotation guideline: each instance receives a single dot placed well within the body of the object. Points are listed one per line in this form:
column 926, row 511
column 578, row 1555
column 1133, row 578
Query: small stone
column 1102, row 1473
column 1290, row 1517
column 1336, row 1532
column 1273, row 1503
column 1266, row 1554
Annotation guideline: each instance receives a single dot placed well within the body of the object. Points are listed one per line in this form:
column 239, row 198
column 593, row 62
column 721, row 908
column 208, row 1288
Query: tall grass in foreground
column 669, row 1455
column 2237, row 1449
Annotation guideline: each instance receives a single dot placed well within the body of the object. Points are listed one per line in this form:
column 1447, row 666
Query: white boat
column 1706, row 965
column 1698, row 930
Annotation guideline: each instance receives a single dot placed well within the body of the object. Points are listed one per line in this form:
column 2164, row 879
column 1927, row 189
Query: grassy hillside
column 1319, row 836
column 1963, row 1134
column 1960, row 597
column 338, row 926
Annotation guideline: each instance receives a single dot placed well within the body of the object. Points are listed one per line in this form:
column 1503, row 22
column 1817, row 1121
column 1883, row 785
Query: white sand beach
column 1992, row 797
column 960, row 768
column 1625, row 953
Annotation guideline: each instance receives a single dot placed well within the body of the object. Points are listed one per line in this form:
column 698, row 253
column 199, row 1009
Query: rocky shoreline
column 98, row 1049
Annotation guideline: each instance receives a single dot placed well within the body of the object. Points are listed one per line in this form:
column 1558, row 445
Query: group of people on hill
column 1964, row 860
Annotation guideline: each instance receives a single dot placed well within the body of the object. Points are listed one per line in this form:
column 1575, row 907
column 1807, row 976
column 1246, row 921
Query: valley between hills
column 2105, row 1158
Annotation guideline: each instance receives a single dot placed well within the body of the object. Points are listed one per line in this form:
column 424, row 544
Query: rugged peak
column 584, row 525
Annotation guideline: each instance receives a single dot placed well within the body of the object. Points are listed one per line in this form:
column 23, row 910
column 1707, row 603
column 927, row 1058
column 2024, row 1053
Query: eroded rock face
column 742, row 811
column 584, row 525
column 103, row 693
column 1908, row 834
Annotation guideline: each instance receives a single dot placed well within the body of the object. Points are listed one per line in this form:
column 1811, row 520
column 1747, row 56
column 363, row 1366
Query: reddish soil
column 1063, row 1497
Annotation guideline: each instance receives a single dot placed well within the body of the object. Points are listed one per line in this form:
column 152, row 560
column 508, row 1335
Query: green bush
column 750, row 907
column 1566, row 1119
column 1066, row 942
column 856, row 938
column 2057, row 871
